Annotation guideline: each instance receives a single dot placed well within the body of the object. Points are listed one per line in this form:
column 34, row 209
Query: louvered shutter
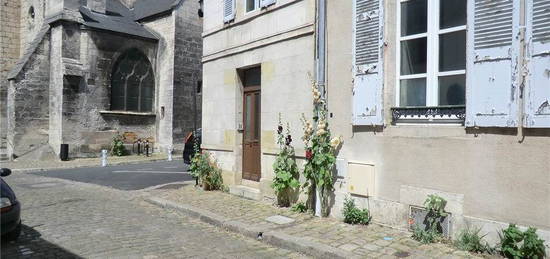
column 537, row 88
column 492, row 57
column 266, row 3
column 228, row 10
column 368, row 47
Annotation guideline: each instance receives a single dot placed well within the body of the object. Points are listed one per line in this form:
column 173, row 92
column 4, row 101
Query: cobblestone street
column 64, row 219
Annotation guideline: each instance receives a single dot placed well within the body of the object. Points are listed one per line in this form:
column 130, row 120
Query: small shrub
column 354, row 215
column 117, row 146
column 299, row 207
column 517, row 244
column 469, row 239
column 204, row 167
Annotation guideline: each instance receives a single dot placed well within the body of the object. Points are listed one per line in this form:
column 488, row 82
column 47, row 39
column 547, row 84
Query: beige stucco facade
column 279, row 39
column 489, row 176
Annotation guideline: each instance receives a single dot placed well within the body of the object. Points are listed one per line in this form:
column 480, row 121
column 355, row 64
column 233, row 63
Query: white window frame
column 256, row 6
column 432, row 61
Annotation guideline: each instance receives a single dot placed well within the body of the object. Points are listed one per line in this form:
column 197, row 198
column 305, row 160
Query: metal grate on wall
column 541, row 20
column 493, row 23
column 366, row 32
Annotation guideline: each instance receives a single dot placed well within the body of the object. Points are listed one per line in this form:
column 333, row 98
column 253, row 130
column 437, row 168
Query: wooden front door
column 251, row 134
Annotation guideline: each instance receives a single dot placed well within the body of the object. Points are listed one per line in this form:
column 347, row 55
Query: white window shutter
column 537, row 87
column 368, row 47
column 266, row 3
column 491, row 95
column 228, row 10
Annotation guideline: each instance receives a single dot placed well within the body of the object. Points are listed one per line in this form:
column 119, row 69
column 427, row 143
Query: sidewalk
column 318, row 237
column 21, row 166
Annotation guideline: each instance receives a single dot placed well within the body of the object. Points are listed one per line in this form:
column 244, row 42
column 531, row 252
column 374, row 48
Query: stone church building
column 79, row 72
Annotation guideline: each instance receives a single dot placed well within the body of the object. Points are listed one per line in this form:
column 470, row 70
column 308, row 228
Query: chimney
column 98, row 6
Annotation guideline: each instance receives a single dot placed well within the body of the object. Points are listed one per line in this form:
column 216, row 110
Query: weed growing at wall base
column 517, row 244
column 354, row 215
column 433, row 232
column 470, row 239
column 117, row 147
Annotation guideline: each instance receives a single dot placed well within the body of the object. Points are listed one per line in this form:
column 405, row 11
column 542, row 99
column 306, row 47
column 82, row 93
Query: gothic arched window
column 132, row 83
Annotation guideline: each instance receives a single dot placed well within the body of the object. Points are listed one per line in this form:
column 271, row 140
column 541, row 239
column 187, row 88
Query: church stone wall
column 187, row 71
column 164, row 26
column 28, row 103
column 88, row 124
column 9, row 52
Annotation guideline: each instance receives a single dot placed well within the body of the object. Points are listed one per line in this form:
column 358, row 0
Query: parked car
column 189, row 148
column 10, row 209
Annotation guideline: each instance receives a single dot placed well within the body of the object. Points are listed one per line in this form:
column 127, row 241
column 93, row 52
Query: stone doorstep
column 245, row 192
column 274, row 238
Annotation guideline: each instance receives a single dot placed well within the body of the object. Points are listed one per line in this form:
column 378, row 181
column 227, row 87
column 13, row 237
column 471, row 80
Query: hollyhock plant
column 320, row 151
column 285, row 168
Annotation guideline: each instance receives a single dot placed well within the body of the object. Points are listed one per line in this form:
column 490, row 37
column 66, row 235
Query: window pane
column 252, row 77
column 452, row 90
column 413, row 92
column 257, row 106
column 414, row 17
column 452, row 13
column 452, row 51
column 248, row 117
column 147, row 86
column 250, row 5
column 413, row 56
column 132, row 93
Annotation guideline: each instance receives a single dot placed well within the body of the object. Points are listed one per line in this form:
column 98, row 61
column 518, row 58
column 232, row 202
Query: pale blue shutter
column 537, row 88
column 367, row 69
column 491, row 95
column 266, row 3
column 228, row 10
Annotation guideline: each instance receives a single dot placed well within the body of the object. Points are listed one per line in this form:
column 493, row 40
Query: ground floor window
column 132, row 83
column 432, row 53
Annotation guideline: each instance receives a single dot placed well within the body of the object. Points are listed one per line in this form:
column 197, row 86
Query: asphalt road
column 126, row 177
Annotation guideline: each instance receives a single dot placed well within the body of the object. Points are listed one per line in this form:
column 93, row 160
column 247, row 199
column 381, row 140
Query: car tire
column 14, row 234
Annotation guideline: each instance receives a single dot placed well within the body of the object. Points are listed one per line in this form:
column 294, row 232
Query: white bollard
column 170, row 154
column 104, row 157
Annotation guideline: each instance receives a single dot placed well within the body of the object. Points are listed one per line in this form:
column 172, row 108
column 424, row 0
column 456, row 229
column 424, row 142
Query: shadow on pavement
column 31, row 245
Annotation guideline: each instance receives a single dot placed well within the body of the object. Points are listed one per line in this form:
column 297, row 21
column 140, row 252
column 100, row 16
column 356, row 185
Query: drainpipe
column 320, row 60
column 522, row 72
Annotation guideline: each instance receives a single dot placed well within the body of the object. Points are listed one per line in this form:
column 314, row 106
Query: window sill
column 123, row 113
column 429, row 115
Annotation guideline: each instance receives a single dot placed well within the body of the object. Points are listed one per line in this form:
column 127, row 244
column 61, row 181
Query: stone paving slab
column 372, row 241
column 28, row 166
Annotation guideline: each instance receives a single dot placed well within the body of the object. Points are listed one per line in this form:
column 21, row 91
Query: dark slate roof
column 31, row 48
column 148, row 8
column 118, row 18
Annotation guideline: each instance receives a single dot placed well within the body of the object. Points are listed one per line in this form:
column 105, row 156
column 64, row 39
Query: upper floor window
column 132, row 83
column 251, row 5
column 432, row 42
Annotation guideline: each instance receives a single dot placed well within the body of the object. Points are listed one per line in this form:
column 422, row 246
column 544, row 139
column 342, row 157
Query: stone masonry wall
column 88, row 124
column 164, row 78
column 30, row 26
column 187, row 70
column 9, row 52
column 28, row 103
